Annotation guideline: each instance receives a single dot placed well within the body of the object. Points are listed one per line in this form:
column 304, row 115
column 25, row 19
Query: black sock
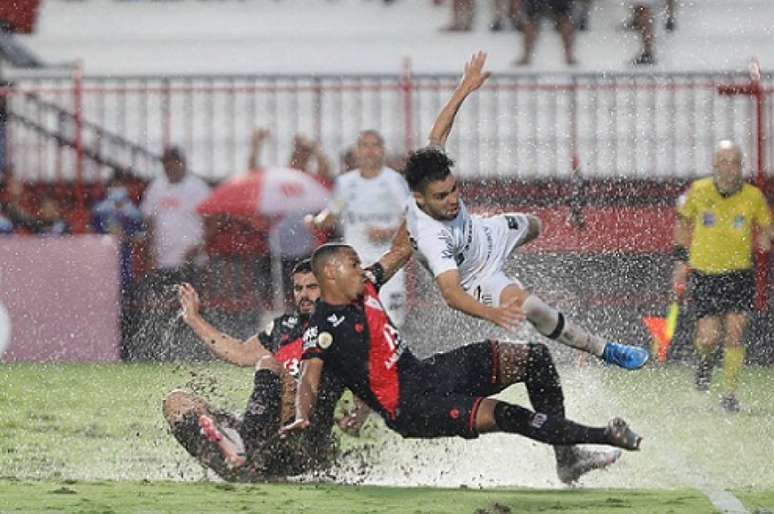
column 542, row 381
column 541, row 427
column 261, row 419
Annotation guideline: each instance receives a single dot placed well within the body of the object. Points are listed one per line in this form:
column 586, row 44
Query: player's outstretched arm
column 230, row 349
column 507, row 316
column 398, row 254
column 472, row 79
column 306, row 395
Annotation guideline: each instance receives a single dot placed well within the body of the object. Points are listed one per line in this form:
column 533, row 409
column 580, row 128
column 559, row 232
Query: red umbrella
column 271, row 192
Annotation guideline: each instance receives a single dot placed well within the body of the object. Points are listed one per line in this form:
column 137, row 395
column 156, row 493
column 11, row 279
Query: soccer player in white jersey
column 466, row 253
column 368, row 203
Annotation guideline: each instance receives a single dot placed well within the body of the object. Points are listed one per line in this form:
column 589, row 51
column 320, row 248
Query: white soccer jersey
column 475, row 246
column 177, row 225
column 361, row 203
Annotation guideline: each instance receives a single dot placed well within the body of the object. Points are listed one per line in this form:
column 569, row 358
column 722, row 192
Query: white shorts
column 509, row 231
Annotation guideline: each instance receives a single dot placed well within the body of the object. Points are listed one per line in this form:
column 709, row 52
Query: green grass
column 107, row 497
column 91, row 438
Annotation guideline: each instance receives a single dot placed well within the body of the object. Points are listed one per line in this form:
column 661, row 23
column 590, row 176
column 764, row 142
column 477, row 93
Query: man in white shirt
column 466, row 253
column 368, row 204
column 169, row 205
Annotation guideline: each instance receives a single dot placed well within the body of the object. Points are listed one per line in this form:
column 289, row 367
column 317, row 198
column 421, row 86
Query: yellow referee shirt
column 722, row 226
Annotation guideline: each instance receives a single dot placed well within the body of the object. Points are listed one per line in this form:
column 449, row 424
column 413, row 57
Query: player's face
column 440, row 199
column 350, row 278
column 728, row 169
column 306, row 291
column 370, row 152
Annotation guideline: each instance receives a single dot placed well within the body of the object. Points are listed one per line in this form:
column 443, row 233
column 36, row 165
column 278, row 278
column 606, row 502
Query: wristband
column 679, row 253
column 378, row 271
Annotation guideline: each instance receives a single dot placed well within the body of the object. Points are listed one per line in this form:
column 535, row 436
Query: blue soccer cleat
column 625, row 356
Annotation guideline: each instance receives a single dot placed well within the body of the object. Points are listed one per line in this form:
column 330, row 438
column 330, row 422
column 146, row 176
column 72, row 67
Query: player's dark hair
column 304, row 266
column 323, row 253
column 427, row 165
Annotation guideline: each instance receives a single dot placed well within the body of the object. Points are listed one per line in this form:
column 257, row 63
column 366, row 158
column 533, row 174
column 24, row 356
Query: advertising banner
column 59, row 299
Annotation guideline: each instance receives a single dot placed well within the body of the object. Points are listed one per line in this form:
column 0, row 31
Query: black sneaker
column 644, row 59
column 496, row 26
column 729, row 403
column 619, row 434
column 670, row 24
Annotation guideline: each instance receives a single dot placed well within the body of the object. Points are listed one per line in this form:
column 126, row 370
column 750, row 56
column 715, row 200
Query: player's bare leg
column 552, row 323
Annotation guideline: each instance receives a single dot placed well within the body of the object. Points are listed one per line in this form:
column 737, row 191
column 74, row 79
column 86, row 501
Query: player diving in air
column 466, row 253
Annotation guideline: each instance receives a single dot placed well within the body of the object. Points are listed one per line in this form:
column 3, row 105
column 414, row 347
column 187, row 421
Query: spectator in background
column 174, row 228
column 13, row 216
column 368, row 204
column 581, row 15
column 50, row 220
column 117, row 215
column 463, row 12
column 643, row 21
column 561, row 10
column 289, row 240
column 505, row 12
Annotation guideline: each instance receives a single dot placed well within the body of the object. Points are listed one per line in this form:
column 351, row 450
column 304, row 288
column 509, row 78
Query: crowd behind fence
column 642, row 126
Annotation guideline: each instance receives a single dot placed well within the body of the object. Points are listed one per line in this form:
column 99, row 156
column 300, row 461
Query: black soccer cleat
column 619, row 434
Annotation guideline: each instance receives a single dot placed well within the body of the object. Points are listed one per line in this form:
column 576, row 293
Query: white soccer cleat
column 585, row 461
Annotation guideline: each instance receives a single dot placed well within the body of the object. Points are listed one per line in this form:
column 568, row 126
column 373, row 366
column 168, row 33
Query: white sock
column 552, row 323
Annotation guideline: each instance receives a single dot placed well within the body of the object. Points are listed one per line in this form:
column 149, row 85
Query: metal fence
column 521, row 126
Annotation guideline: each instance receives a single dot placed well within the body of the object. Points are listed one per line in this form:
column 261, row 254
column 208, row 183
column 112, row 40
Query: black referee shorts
column 724, row 293
column 440, row 398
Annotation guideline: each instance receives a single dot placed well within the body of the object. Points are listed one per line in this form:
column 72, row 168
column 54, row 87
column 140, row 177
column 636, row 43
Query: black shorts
column 720, row 294
column 441, row 396
column 557, row 8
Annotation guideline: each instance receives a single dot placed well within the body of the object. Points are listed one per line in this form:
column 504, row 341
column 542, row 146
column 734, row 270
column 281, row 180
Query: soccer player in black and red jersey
column 351, row 337
column 248, row 449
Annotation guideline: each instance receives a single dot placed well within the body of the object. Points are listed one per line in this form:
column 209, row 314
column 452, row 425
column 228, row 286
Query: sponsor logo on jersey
column 291, row 322
column 335, row 320
column 325, row 340
column 739, row 221
column 310, row 338
column 708, row 220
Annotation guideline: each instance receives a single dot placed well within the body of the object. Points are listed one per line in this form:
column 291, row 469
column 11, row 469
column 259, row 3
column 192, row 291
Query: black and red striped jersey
column 361, row 346
column 283, row 338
